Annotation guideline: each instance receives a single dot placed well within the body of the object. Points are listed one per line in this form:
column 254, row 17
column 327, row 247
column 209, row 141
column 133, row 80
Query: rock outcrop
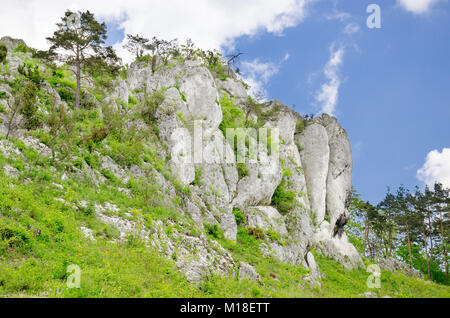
column 313, row 165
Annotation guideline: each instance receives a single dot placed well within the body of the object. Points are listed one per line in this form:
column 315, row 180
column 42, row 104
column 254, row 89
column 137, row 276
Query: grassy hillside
column 33, row 265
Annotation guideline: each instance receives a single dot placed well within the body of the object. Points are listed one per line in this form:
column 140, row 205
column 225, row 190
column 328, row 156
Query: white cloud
column 416, row 6
column 327, row 97
column 351, row 28
column 436, row 168
column 210, row 23
column 257, row 74
column 338, row 15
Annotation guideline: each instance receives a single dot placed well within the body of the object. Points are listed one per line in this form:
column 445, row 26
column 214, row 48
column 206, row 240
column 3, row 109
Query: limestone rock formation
column 312, row 166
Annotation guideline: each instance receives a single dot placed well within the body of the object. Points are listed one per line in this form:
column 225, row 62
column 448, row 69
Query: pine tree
column 388, row 205
column 136, row 45
column 441, row 207
column 78, row 41
column 404, row 216
column 420, row 205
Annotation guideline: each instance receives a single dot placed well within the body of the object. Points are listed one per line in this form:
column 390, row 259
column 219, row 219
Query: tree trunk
column 431, row 237
column 390, row 243
column 426, row 248
column 78, row 66
column 409, row 244
column 444, row 245
column 366, row 236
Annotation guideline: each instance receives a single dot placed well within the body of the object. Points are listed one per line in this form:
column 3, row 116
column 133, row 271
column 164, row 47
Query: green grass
column 35, row 265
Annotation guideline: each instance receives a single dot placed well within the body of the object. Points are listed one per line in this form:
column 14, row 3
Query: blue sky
column 394, row 100
column 389, row 87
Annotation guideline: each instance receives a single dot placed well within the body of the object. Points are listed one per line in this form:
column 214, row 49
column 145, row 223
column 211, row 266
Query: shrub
column 213, row 230
column 127, row 153
column 132, row 100
column 300, row 126
column 113, row 120
column 21, row 47
column 233, row 117
column 67, row 94
column 256, row 232
column 31, row 72
column 92, row 160
column 283, row 198
column 151, row 105
column 96, row 136
column 12, row 236
column 198, row 177
column 243, row 170
column 89, row 209
column 29, row 106
column 239, row 216
column 3, row 52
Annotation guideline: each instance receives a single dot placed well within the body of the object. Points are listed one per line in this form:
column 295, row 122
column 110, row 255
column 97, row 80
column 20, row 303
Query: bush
column 233, row 117
column 31, row 72
column 3, row 52
column 243, row 170
column 21, row 47
column 96, row 136
column 151, row 105
column 92, row 160
column 198, row 177
column 300, row 126
column 213, row 230
column 256, row 232
column 29, row 106
column 239, row 216
column 89, row 209
column 12, row 236
column 283, row 198
column 127, row 153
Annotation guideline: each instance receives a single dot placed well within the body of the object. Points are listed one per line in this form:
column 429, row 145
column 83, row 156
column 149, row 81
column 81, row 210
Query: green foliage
column 89, row 210
column 114, row 121
column 65, row 87
column 243, row 170
column 92, row 160
column 3, row 52
column 213, row 231
column 96, row 136
column 126, row 153
column 275, row 237
column 21, row 47
column 233, row 117
column 132, row 101
column 300, row 126
column 239, row 216
column 29, row 107
column 284, row 199
column 198, row 177
column 299, row 146
column 256, row 232
column 32, row 73
column 72, row 41
column 151, row 104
